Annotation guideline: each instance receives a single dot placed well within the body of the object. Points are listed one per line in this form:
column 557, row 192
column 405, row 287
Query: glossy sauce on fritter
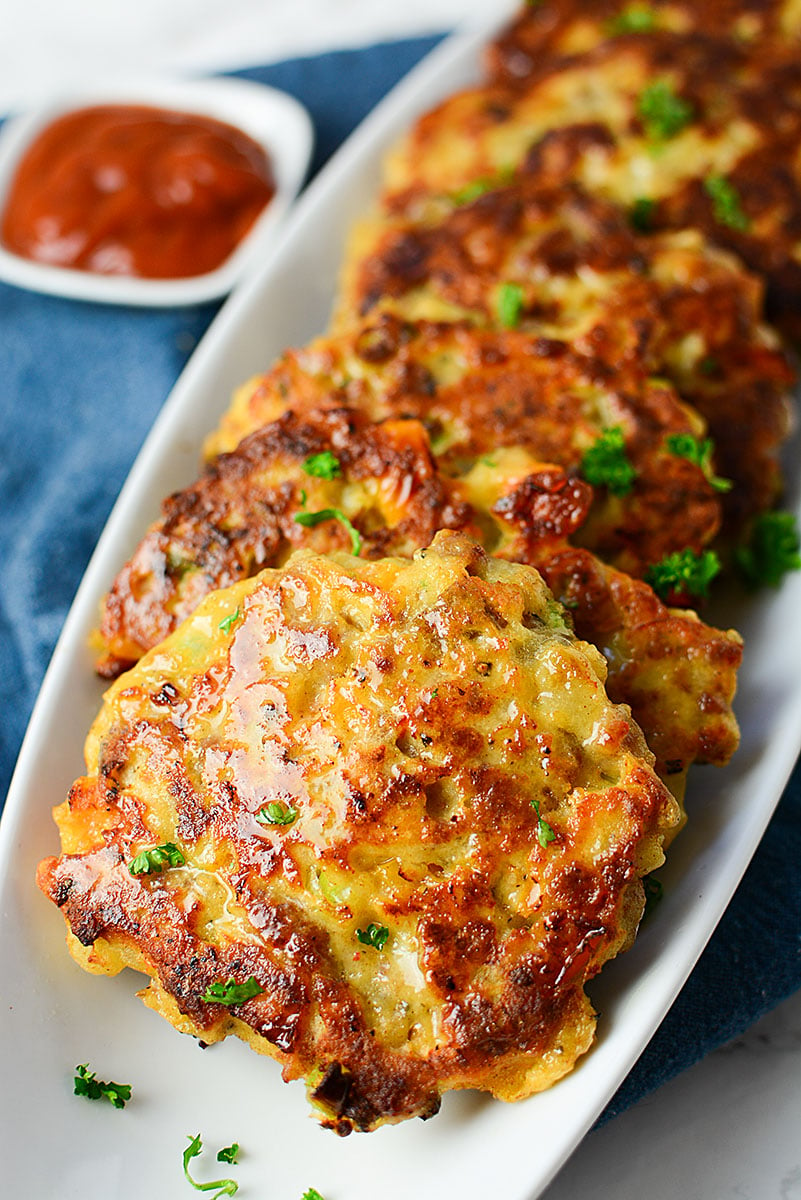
column 465, row 819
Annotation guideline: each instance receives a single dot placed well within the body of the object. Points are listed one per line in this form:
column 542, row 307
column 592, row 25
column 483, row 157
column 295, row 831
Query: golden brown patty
column 666, row 303
column 677, row 674
column 565, row 27
column 242, row 515
column 706, row 131
column 412, row 825
column 478, row 391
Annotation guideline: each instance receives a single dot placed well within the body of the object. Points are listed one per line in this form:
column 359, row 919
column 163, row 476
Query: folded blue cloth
column 80, row 385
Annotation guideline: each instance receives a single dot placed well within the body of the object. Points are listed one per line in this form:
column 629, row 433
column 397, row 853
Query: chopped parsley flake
column 87, row 1084
column 641, row 215
column 606, row 464
column 277, row 813
column 228, row 1154
column 544, row 832
column 310, row 519
column 684, row 572
column 227, row 623
column 509, row 304
column 324, row 465
column 220, row 1187
column 374, row 935
column 472, row 191
column 147, row 862
column 311, row 1194
column 726, row 205
column 662, row 112
column 230, row 992
column 771, row 550
column 637, row 18
column 684, row 445
column 708, row 365
column 653, row 894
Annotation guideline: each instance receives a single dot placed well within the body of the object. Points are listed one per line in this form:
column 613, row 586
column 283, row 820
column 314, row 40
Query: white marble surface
column 731, row 1126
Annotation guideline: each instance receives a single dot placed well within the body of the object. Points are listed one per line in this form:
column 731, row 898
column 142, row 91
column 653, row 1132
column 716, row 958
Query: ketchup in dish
column 133, row 190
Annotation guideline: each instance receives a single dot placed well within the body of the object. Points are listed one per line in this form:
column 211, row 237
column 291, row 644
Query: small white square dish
column 275, row 121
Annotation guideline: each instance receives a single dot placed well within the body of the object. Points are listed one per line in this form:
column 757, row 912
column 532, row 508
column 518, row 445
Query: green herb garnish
column 309, row 520
column 224, row 1187
column 311, row 1194
column 771, row 551
column 87, row 1084
column 684, row 571
column 324, row 465
column 227, row 623
column 509, row 304
column 653, row 894
column 229, row 992
column 277, row 813
column 684, row 445
column 726, row 205
column 606, row 464
column 228, row 1154
column 637, row 18
column 544, row 832
column 147, row 862
column 662, row 112
column 374, row 935
column 708, row 365
column 641, row 214
column 472, row 191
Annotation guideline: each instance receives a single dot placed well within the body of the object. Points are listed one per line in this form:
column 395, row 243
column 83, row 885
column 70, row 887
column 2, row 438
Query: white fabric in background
column 52, row 46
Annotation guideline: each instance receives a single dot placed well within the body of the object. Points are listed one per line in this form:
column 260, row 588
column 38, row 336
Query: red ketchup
column 132, row 190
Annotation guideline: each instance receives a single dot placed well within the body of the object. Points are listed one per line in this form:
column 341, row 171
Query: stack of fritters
column 384, row 778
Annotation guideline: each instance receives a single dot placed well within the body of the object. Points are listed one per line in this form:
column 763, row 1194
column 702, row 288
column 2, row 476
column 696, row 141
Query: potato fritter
column 401, row 826
column 666, row 303
column 478, row 391
column 677, row 674
column 704, row 130
column 566, row 27
column 375, row 484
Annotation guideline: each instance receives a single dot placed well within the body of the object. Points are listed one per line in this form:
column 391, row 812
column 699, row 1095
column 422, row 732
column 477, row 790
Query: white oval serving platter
column 55, row 1016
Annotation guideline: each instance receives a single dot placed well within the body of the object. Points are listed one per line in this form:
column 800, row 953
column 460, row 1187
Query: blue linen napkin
column 80, row 385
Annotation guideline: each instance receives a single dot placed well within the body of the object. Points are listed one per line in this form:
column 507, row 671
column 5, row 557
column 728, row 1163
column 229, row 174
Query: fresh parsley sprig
column 229, row 992
column 641, row 214
column 220, row 1187
column 157, row 858
column 772, row 549
column 727, row 207
column 698, row 452
column 324, row 465
column 606, row 463
column 637, row 18
column 545, row 834
column 509, row 304
column 87, row 1084
column 374, row 935
column 277, row 813
column 662, row 112
column 227, row 623
column 310, row 519
column 684, row 572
